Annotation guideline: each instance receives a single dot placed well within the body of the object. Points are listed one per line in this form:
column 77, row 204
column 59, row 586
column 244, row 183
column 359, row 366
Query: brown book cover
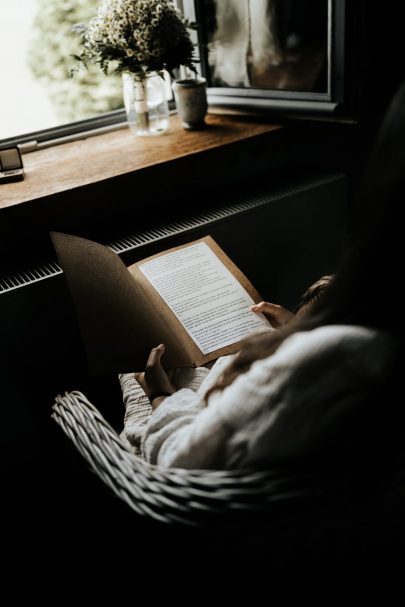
column 124, row 312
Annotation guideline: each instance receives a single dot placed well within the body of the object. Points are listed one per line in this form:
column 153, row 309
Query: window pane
column 36, row 89
column 267, row 44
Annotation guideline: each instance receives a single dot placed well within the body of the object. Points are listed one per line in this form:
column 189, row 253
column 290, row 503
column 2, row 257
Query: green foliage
column 51, row 60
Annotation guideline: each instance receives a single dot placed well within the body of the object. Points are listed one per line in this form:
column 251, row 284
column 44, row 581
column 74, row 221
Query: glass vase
column 146, row 103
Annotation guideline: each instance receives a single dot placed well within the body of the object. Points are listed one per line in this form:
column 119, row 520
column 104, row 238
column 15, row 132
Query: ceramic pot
column 190, row 95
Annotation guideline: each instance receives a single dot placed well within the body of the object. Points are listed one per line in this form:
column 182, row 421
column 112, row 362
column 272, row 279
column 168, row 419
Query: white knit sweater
column 284, row 405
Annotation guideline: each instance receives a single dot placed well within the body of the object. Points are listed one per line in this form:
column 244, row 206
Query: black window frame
column 341, row 99
column 115, row 117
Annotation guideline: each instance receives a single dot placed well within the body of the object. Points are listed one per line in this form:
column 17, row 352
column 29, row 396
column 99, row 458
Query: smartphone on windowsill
column 11, row 165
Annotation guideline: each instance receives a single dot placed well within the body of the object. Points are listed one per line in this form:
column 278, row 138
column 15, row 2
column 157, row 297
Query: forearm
column 171, row 413
column 184, row 432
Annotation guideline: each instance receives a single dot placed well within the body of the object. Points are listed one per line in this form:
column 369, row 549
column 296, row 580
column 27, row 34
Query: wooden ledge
column 73, row 165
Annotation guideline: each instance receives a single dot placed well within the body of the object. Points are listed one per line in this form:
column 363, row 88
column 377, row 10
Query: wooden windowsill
column 68, row 167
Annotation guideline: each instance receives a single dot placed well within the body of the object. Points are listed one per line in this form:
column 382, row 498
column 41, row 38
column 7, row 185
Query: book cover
column 192, row 298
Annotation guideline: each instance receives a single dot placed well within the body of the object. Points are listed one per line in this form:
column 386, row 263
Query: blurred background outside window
column 36, row 89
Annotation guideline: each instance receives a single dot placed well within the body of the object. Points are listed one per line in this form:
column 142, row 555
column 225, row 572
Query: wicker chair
column 198, row 497
column 345, row 523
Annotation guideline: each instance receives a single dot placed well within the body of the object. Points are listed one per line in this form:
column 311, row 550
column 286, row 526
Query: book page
column 205, row 297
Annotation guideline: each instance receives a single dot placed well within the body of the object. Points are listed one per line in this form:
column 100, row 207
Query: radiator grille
column 29, row 276
column 38, row 273
column 242, row 205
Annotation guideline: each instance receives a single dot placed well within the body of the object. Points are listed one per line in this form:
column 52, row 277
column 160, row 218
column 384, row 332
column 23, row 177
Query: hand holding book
column 154, row 380
column 192, row 298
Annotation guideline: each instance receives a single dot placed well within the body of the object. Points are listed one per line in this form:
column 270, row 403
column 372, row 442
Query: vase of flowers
column 145, row 103
column 140, row 39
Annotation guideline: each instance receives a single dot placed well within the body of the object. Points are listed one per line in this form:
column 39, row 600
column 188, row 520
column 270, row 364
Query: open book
column 192, row 298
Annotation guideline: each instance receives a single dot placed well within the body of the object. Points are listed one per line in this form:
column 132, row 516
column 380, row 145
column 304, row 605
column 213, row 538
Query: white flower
column 139, row 36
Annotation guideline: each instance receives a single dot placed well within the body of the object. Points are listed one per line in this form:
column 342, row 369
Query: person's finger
column 275, row 311
column 155, row 356
column 264, row 306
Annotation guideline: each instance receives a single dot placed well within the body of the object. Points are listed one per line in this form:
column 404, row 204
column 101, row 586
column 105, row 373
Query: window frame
column 291, row 103
column 116, row 117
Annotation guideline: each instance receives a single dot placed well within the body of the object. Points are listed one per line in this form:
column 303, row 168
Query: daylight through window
column 36, row 89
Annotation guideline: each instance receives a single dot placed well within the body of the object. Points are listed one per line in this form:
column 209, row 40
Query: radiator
column 137, row 245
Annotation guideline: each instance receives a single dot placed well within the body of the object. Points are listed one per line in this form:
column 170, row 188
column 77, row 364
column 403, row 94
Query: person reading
column 138, row 388
column 324, row 383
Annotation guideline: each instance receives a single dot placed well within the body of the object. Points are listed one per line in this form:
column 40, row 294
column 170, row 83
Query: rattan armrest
column 172, row 494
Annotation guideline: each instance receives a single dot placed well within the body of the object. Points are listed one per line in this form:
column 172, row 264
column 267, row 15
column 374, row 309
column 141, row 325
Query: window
column 36, row 89
column 287, row 56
